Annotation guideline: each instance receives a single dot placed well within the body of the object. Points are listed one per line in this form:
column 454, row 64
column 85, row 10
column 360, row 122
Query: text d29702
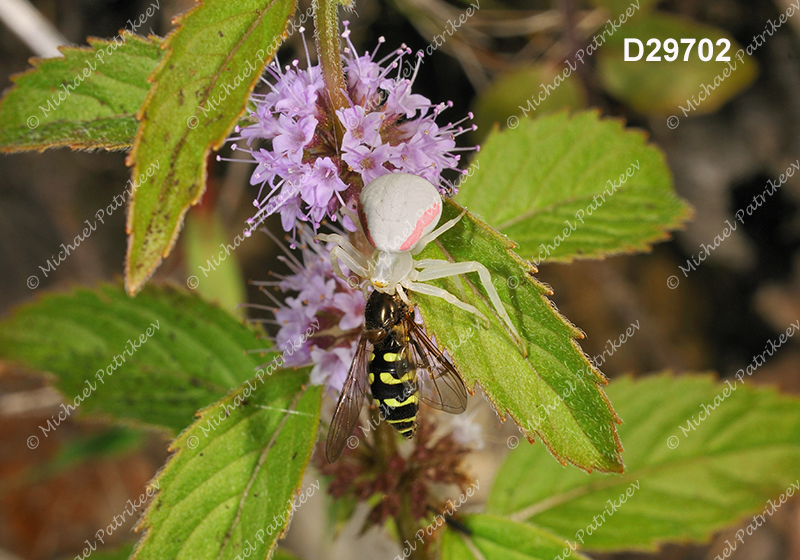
column 705, row 49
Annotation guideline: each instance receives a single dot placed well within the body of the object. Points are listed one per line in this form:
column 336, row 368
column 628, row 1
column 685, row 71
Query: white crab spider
column 400, row 212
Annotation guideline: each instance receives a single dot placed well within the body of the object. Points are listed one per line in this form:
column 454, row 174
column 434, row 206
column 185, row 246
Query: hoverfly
column 402, row 366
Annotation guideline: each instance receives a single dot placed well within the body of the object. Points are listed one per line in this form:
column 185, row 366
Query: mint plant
column 245, row 427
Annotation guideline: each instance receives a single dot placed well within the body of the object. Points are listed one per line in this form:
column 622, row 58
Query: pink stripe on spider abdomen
column 431, row 214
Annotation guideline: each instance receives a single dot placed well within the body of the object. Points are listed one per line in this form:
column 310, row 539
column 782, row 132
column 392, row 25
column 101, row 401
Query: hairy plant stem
column 407, row 527
column 326, row 21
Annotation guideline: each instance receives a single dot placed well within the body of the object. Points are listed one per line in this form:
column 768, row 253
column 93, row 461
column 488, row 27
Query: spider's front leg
column 348, row 254
column 435, row 269
column 435, row 291
column 402, row 293
column 436, row 233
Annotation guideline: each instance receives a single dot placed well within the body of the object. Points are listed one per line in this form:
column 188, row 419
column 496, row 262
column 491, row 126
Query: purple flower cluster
column 323, row 297
column 305, row 173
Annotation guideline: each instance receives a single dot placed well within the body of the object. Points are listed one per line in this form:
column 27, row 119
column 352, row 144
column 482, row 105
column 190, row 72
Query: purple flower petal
column 361, row 127
column 368, row 161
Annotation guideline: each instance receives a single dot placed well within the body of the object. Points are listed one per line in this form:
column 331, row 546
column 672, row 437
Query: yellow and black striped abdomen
column 394, row 386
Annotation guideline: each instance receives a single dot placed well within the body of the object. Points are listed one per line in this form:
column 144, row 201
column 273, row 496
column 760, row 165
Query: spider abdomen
column 397, row 210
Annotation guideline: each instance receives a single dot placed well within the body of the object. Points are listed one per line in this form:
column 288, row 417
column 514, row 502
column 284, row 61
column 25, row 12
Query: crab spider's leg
column 340, row 253
column 346, row 245
column 353, row 218
column 348, row 254
column 460, row 286
column 425, row 263
column 429, row 290
column 435, row 233
column 444, row 269
column 349, row 249
column 402, row 293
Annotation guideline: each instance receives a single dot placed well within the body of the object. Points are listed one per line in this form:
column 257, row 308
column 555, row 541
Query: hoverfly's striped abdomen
column 394, row 385
column 404, row 367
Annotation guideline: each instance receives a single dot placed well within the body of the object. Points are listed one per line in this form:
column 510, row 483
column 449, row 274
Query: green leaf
column 215, row 58
column 281, row 554
column 454, row 547
column 509, row 93
column 194, row 357
column 554, row 392
column 216, row 269
column 745, row 452
column 113, row 441
column 564, row 175
column 229, row 489
column 662, row 87
column 497, row 538
column 121, row 553
column 84, row 100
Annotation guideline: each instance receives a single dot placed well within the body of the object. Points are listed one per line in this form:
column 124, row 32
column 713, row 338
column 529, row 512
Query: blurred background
column 746, row 292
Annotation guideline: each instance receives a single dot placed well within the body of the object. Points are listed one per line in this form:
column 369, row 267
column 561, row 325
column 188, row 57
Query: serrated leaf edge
column 37, row 63
column 542, row 291
column 134, row 286
column 656, row 544
column 644, row 245
column 177, row 449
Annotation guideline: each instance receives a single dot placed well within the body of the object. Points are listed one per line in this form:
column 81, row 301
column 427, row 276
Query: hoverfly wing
column 349, row 406
column 439, row 384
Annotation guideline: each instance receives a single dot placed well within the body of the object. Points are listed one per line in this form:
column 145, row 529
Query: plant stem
column 326, row 21
column 407, row 526
column 573, row 42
